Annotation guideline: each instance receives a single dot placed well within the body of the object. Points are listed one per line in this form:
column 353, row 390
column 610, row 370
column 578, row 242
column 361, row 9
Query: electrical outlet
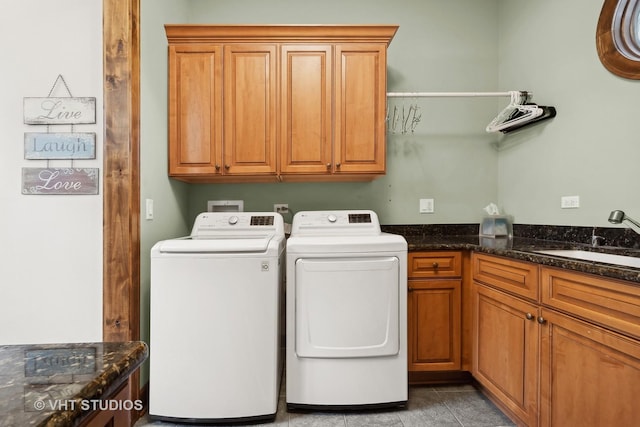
column 569, row 202
column 427, row 206
column 281, row 208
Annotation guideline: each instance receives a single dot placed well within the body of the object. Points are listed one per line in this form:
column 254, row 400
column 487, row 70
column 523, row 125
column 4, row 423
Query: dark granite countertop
column 433, row 238
column 59, row 384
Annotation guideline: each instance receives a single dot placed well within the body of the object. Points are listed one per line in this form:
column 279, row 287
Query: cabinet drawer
column 516, row 277
column 435, row 264
column 608, row 302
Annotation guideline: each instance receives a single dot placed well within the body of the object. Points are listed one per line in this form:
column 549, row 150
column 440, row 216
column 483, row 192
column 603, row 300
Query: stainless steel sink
column 623, row 260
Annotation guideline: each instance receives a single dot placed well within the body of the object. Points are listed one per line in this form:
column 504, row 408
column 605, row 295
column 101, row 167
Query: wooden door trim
column 121, row 193
column 121, row 180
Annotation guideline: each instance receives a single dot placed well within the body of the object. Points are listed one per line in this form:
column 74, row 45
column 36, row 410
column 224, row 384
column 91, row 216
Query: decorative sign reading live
column 46, row 146
column 71, row 181
column 59, row 111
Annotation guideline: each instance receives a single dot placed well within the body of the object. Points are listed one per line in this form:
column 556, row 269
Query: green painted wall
column 449, row 157
column 592, row 148
column 546, row 46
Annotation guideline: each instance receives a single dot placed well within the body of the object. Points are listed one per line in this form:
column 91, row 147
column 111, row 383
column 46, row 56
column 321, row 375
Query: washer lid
column 229, row 232
column 229, row 245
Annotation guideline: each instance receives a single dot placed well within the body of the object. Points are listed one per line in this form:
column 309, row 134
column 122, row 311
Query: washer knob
column 332, row 218
column 233, row 220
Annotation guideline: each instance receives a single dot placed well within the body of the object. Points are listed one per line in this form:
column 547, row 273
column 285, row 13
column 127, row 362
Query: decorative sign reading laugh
column 46, row 146
column 59, row 111
column 69, row 181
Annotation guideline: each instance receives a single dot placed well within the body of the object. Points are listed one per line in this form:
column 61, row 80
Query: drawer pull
column 529, row 316
column 542, row 320
column 435, row 265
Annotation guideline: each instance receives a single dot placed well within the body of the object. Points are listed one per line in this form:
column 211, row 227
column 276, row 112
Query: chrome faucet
column 595, row 240
column 617, row 217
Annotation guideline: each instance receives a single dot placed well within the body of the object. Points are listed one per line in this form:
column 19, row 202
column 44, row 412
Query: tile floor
column 429, row 406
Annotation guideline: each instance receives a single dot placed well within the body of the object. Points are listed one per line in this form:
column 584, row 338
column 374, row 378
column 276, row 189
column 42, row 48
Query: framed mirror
column 618, row 37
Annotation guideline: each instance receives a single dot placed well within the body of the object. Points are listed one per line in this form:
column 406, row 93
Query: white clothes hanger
column 515, row 114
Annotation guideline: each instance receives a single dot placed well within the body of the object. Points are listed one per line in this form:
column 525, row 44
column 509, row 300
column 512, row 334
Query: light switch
column 149, row 209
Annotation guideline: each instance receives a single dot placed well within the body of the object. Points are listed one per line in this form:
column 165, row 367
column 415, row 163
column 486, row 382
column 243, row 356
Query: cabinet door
column 434, row 309
column 505, row 350
column 195, row 109
column 360, row 108
column 250, row 90
column 589, row 376
column 306, row 95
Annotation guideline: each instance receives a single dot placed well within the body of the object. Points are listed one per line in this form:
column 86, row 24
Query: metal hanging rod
column 453, row 94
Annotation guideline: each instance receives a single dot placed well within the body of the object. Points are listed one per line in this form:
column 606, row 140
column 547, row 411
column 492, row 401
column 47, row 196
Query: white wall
column 51, row 246
column 592, row 147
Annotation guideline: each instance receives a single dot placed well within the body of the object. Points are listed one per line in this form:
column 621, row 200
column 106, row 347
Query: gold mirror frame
column 610, row 56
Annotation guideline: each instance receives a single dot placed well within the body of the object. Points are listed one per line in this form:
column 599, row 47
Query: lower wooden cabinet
column 505, row 351
column 434, row 325
column 570, row 357
column 590, row 377
column 114, row 417
column 435, row 311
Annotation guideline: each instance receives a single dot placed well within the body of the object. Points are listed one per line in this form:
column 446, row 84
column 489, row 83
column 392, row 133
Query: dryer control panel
column 358, row 222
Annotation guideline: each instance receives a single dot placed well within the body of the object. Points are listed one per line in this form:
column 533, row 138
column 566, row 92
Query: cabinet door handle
column 338, row 165
column 435, row 265
column 410, row 289
column 227, row 167
column 542, row 320
column 328, row 165
column 529, row 316
column 217, row 167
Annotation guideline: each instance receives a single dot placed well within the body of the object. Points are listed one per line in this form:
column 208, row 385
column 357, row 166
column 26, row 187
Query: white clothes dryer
column 216, row 303
column 346, row 312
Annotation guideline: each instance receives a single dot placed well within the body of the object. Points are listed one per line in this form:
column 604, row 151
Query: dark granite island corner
column 68, row 384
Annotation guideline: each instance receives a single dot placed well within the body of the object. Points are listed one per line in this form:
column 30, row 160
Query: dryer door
column 347, row 307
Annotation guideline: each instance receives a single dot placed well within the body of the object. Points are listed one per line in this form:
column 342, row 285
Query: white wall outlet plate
column 570, row 202
column 427, row 206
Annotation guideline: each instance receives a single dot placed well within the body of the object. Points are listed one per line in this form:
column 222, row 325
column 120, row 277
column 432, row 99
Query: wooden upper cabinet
column 360, row 102
column 195, row 109
column 267, row 102
column 306, row 132
column 250, row 88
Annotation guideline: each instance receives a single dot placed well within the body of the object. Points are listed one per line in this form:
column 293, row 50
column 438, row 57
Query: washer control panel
column 233, row 224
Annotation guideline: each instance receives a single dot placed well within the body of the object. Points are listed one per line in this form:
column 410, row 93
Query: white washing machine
column 346, row 313
column 216, row 303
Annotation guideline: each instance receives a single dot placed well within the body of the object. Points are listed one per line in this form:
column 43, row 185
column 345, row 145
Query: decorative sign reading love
column 46, row 146
column 60, row 181
column 59, row 111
